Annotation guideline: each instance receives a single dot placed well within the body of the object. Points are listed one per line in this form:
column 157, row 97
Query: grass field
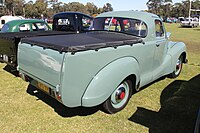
column 167, row 106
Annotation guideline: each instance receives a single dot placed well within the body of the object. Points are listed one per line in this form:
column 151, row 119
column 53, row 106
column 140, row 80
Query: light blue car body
column 88, row 78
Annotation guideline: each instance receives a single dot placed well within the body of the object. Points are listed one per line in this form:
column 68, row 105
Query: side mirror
column 168, row 35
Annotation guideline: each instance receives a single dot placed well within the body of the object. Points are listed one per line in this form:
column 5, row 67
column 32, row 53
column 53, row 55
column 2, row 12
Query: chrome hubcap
column 120, row 95
column 178, row 66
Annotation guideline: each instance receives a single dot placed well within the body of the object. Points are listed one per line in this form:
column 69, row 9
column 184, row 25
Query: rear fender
column 107, row 80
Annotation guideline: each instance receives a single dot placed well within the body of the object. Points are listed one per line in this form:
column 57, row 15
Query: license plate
column 43, row 87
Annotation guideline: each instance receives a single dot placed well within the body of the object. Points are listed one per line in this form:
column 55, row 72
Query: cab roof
column 21, row 21
column 141, row 15
column 63, row 14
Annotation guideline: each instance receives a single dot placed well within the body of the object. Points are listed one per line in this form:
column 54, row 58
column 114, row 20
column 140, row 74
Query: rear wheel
column 119, row 98
column 178, row 68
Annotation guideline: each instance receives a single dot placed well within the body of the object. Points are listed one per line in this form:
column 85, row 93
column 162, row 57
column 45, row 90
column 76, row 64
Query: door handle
column 157, row 44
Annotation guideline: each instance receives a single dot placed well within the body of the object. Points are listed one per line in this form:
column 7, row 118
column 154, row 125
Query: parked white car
column 5, row 19
column 190, row 22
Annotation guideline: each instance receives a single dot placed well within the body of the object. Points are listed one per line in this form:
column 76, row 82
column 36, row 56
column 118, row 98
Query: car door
column 160, row 49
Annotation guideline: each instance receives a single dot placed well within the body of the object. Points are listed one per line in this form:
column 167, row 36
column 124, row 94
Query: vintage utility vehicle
column 72, row 22
column 125, row 51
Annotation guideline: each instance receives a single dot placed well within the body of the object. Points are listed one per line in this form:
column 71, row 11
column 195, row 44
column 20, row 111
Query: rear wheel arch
column 134, row 82
column 125, row 90
column 105, row 82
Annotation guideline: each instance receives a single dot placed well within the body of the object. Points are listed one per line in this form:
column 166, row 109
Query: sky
column 118, row 5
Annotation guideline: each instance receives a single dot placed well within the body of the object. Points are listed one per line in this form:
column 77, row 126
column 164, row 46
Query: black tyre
column 178, row 68
column 119, row 98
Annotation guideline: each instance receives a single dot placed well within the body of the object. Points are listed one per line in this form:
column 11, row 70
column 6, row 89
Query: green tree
column 58, row 7
column 40, row 7
column 159, row 6
column 9, row 7
column 77, row 7
column 196, row 6
column 29, row 9
column 48, row 8
column 18, row 10
column 178, row 10
column 107, row 7
column 166, row 8
column 91, row 8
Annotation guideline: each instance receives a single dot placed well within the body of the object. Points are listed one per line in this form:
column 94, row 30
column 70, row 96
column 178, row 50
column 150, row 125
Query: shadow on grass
column 11, row 70
column 185, row 27
column 60, row 108
column 157, row 80
column 197, row 29
column 180, row 102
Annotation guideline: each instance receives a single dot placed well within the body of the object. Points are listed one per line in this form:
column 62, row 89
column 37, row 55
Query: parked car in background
column 170, row 19
column 50, row 20
column 71, row 21
column 190, row 22
column 180, row 19
column 5, row 19
column 25, row 25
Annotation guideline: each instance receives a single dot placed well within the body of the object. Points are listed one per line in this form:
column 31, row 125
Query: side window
column 135, row 27
column 34, row 28
column 107, row 23
column 159, row 28
column 115, row 25
column 112, row 24
column 86, row 23
column 65, row 24
column 24, row 27
column 126, row 25
column 39, row 26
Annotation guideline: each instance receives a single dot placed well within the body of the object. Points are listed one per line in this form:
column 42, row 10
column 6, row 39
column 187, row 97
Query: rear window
column 125, row 25
column 5, row 28
column 64, row 24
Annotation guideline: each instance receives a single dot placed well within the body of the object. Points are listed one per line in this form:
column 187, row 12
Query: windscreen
column 5, row 28
column 125, row 25
column 65, row 23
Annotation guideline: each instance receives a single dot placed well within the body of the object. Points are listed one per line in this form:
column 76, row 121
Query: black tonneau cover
column 19, row 35
column 84, row 41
